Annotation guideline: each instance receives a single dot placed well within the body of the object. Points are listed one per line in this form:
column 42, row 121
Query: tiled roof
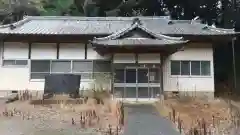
column 137, row 41
column 137, row 25
column 107, row 25
column 155, row 39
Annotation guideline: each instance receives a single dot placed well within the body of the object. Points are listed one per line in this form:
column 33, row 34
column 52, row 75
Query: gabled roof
column 119, row 37
column 65, row 25
column 137, row 25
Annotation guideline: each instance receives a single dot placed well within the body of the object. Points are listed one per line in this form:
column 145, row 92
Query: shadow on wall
column 224, row 75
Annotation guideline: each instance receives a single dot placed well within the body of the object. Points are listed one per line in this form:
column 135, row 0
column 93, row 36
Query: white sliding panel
column 149, row 58
column 71, row 51
column 15, row 50
column 124, row 58
column 44, row 51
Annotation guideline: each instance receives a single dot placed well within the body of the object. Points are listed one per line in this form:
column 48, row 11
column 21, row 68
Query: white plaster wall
column 93, row 55
column 14, row 78
column 149, row 58
column 14, row 50
column 124, row 58
column 44, row 51
column 18, row 78
column 189, row 83
column 77, row 51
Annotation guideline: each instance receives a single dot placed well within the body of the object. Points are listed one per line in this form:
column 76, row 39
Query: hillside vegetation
column 219, row 12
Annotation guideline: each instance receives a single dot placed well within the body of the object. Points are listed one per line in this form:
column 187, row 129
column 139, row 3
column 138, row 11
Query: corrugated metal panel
column 106, row 25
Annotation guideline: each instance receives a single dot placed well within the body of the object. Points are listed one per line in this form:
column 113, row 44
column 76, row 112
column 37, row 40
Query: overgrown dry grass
column 192, row 110
column 87, row 114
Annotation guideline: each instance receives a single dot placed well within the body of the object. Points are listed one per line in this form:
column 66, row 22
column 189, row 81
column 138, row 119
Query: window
column 205, row 68
column 154, row 75
column 119, row 92
column 154, row 91
column 131, row 75
column 15, row 62
column 185, row 68
column 40, row 66
column 61, row 67
column 142, row 75
column 83, row 68
column 102, row 66
column 119, row 76
column 102, row 70
column 39, row 69
column 85, row 75
column 194, row 68
column 175, row 67
column 130, row 92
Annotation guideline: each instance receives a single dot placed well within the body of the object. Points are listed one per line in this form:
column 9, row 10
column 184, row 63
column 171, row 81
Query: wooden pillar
column 29, row 50
column 112, row 75
column 86, row 49
column 162, row 57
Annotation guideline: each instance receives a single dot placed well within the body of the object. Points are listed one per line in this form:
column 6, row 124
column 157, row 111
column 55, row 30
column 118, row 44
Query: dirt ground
column 191, row 110
column 89, row 116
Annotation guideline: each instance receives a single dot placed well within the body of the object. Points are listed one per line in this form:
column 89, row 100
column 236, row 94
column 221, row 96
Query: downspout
column 234, row 65
column 233, row 50
column 1, row 49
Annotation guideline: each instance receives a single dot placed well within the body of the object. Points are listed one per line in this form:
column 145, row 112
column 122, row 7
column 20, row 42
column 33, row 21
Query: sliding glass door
column 131, row 83
column 142, row 82
column 154, row 82
column 136, row 83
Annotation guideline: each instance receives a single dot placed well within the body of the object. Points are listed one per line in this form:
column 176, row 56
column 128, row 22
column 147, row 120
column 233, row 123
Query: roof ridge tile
column 16, row 24
column 97, row 18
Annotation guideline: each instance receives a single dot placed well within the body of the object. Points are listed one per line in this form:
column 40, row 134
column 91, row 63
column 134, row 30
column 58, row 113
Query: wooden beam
column 58, row 47
column 48, row 38
column 161, row 73
column 29, row 50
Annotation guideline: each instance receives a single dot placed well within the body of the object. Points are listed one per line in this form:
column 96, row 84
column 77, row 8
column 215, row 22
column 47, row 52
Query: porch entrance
column 138, row 82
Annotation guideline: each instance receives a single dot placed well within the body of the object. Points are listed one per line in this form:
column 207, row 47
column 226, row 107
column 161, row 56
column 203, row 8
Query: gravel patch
column 17, row 126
